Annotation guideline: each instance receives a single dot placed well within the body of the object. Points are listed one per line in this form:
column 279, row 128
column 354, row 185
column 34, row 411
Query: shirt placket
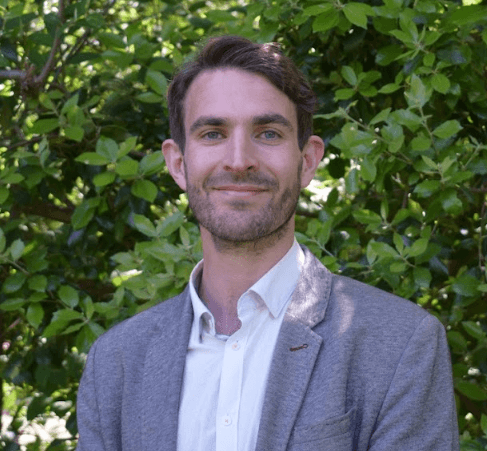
column 230, row 395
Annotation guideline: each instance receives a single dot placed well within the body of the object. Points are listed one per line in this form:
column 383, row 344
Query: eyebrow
column 264, row 119
column 272, row 118
column 206, row 120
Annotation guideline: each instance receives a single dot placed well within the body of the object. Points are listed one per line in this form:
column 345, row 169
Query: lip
column 245, row 188
column 240, row 190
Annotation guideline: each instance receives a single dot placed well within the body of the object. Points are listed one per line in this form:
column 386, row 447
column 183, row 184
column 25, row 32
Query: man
column 265, row 349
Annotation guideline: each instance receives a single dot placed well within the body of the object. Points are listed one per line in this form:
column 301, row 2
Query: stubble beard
column 236, row 226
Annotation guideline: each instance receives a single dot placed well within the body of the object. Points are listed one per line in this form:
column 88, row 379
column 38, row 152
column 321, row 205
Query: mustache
column 258, row 180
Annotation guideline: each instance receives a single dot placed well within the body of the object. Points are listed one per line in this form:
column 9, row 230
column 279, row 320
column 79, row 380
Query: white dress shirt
column 225, row 376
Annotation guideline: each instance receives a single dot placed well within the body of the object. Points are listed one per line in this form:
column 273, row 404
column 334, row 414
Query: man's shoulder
column 370, row 310
column 144, row 325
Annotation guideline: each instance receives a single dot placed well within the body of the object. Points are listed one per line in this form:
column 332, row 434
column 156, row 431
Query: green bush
column 93, row 229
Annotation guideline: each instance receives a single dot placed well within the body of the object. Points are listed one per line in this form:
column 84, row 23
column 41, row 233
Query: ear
column 174, row 162
column 312, row 154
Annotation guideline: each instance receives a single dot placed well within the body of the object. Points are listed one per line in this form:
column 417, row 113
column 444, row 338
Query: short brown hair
column 241, row 53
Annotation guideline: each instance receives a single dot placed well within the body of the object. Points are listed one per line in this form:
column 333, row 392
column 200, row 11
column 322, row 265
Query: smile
column 240, row 191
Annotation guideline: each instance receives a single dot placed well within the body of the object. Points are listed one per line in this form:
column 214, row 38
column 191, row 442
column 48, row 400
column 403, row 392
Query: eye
column 212, row 135
column 270, row 135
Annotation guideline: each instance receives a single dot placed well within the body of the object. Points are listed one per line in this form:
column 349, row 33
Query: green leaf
column 60, row 320
column 398, row 242
column 16, row 249
column 316, row 10
column 474, row 330
column 367, row 217
column 151, row 164
column 4, row 193
column 389, row 88
column 440, row 83
column 107, row 148
column 349, row 74
column 70, row 104
column 325, row 21
column 105, row 178
column 111, row 40
column 466, row 285
column 149, row 97
column 144, row 225
column 127, row 168
column 44, row 126
column 457, row 341
column 418, row 94
column 35, row 314
column 418, row 247
column 74, row 132
column 429, row 59
column 447, row 129
column 68, row 295
column 450, row 201
column 355, row 13
column 92, row 158
column 427, row 188
column 422, row 277
column 12, row 304
column 37, row 283
column 483, row 423
column 398, row 267
column 156, row 81
column 471, row 391
column 170, row 224
column 368, row 170
column 420, row 143
column 145, row 189
column 84, row 213
column 121, row 59
column 382, row 250
column 351, row 181
column 14, row 282
column 380, row 117
column 344, row 94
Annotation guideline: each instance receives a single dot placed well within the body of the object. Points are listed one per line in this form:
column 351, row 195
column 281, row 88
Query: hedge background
column 94, row 230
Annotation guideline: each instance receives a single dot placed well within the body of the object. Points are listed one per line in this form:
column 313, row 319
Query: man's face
column 242, row 163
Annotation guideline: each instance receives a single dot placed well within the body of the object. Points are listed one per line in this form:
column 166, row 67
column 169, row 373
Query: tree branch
column 41, row 78
column 46, row 210
column 13, row 74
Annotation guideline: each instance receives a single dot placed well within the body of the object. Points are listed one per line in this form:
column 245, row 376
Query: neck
column 231, row 268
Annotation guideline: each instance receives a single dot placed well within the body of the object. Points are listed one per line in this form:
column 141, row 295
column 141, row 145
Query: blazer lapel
column 163, row 377
column 294, row 357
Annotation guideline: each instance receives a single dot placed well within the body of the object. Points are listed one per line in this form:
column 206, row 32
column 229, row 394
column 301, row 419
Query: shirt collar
column 274, row 288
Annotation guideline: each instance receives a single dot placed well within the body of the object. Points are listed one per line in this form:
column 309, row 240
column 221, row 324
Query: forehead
column 236, row 96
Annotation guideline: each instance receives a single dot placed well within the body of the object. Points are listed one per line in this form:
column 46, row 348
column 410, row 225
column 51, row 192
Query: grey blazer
column 354, row 368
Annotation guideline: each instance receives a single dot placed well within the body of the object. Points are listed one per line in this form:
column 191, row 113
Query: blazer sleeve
column 97, row 413
column 418, row 412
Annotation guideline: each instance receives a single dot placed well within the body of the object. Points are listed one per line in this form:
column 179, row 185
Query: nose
column 241, row 154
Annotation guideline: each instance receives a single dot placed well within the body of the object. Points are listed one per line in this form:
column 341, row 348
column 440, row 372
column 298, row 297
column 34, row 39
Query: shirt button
column 227, row 420
column 236, row 346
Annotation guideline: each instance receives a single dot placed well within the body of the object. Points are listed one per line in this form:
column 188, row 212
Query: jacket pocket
column 333, row 434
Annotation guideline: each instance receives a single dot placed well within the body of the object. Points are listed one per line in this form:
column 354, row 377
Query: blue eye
column 270, row 135
column 213, row 135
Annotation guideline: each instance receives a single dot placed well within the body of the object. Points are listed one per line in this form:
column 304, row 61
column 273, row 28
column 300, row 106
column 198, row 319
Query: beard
column 238, row 223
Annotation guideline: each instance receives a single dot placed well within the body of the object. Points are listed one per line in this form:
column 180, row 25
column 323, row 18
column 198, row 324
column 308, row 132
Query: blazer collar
column 310, row 298
column 295, row 355
column 163, row 373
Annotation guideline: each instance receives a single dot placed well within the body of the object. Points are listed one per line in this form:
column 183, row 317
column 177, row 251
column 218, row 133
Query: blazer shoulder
column 368, row 308
column 143, row 326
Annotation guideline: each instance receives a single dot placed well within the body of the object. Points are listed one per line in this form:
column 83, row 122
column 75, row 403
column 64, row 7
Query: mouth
column 240, row 190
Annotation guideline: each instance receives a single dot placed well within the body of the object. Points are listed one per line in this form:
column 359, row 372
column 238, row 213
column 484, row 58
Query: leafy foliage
column 94, row 230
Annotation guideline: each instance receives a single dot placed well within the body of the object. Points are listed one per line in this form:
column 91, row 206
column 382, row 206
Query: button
column 227, row 420
column 236, row 346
